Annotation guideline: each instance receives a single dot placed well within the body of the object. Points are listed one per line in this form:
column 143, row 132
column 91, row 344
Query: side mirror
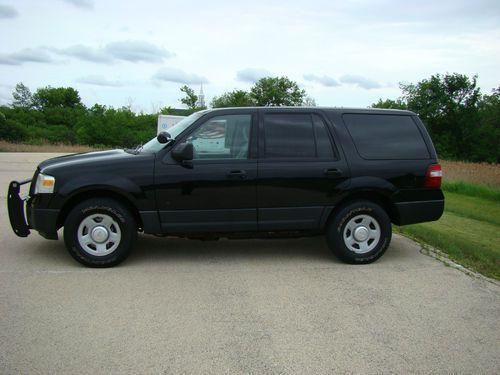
column 163, row 137
column 184, row 151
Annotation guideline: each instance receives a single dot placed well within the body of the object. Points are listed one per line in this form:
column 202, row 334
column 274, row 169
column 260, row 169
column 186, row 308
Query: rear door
column 300, row 170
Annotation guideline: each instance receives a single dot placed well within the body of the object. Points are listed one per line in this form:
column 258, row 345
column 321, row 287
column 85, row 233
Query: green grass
column 472, row 190
column 469, row 230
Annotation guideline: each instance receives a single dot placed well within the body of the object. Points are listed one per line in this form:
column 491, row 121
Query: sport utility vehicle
column 241, row 173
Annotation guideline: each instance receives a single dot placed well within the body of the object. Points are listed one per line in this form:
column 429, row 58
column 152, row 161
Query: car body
column 240, row 173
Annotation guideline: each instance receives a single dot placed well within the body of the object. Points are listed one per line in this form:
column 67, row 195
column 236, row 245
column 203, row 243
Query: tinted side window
column 323, row 143
column 289, row 135
column 386, row 136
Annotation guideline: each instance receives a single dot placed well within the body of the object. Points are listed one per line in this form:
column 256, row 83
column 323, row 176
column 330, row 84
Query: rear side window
column 386, row 136
column 296, row 135
column 323, row 144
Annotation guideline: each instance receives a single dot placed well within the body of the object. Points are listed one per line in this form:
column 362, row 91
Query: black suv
column 242, row 173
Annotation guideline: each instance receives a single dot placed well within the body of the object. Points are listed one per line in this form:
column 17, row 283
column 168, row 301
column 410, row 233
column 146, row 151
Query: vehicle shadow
column 154, row 249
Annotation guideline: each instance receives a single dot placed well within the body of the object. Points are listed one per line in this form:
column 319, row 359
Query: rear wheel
column 359, row 232
column 99, row 232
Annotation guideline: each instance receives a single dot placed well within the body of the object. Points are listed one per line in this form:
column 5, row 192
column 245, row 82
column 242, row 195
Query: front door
column 216, row 191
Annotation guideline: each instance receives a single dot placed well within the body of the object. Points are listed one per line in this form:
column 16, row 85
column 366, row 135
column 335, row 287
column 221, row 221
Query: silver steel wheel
column 361, row 234
column 99, row 234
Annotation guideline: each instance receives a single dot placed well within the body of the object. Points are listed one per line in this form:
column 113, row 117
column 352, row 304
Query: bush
column 12, row 131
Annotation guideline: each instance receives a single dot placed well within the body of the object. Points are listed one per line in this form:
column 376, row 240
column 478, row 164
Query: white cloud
column 251, row 74
column 84, row 4
column 130, row 50
column 178, row 76
column 97, row 55
column 36, row 55
column 136, row 50
column 6, row 11
column 323, row 80
column 98, row 80
column 360, row 81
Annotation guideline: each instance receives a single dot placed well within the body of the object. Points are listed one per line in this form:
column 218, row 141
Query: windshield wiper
column 138, row 148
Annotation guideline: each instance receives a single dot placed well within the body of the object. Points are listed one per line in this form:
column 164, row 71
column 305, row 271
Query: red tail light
column 433, row 176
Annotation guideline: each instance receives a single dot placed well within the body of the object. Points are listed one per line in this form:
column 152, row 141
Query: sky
column 343, row 53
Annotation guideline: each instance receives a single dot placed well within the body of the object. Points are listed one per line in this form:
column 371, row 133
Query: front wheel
column 99, row 232
column 359, row 232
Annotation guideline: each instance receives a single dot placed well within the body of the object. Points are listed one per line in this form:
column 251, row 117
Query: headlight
column 45, row 184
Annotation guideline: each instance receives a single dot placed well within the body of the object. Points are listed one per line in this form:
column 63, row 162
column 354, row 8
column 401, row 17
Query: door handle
column 237, row 175
column 333, row 172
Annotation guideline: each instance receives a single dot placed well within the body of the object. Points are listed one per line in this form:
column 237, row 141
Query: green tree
column 175, row 111
column 448, row 105
column 487, row 137
column 277, row 91
column 309, row 102
column 12, row 131
column 22, row 97
column 390, row 104
column 236, row 98
column 190, row 98
column 57, row 97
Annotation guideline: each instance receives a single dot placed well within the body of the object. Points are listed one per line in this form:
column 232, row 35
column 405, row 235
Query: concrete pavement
column 237, row 307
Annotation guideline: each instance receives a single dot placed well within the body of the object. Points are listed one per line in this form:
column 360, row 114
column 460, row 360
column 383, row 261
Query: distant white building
column 201, row 98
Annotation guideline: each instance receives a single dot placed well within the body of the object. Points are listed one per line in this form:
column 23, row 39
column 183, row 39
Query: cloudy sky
column 344, row 53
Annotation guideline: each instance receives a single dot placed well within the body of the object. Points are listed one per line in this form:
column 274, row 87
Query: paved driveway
column 237, row 307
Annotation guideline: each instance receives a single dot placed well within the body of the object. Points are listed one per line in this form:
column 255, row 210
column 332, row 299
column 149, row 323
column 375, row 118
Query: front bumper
column 42, row 220
column 15, row 205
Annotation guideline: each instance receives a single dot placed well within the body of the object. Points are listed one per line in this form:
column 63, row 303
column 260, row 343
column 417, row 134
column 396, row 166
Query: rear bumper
column 42, row 220
column 418, row 212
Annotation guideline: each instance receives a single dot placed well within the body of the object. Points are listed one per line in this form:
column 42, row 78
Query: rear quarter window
column 386, row 136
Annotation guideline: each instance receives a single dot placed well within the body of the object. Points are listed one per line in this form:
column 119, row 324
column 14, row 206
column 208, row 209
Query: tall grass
column 48, row 147
column 476, row 173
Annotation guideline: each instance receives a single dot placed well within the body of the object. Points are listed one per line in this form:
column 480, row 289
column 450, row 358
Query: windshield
column 155, row 146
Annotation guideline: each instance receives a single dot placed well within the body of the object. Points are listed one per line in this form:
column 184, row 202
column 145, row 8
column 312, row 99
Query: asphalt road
column 237, row 307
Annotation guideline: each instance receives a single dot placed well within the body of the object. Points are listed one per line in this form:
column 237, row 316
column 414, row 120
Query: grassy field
column 469, row 231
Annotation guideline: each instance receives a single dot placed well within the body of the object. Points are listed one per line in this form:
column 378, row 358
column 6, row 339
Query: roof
column 327, row 109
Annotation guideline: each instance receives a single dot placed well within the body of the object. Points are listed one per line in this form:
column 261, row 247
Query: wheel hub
column 99, row 234
column 361, row 233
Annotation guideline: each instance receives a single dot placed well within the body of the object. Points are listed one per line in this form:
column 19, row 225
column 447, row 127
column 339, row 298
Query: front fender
column 109, row 182
column 119, row 185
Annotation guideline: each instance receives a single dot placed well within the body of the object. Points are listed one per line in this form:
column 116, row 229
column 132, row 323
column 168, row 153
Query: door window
column 222, row 137
column 296, row 135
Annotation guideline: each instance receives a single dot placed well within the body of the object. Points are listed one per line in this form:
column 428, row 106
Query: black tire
column 343, row 242
column 92, row 209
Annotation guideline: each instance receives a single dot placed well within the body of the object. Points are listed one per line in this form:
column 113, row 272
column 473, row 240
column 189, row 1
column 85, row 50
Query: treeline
column 57, row 115
column 463, row 122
